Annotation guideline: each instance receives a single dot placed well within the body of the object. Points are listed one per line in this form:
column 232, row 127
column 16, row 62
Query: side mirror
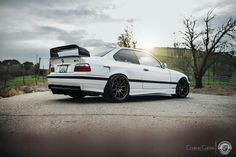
column 164, row 65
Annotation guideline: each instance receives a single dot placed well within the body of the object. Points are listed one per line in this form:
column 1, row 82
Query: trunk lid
column 65, row 58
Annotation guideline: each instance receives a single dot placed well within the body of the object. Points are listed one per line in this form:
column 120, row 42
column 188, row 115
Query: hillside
column 224, row 70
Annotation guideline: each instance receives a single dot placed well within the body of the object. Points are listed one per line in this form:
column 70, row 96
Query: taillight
column 52, row 69
column 82, row 67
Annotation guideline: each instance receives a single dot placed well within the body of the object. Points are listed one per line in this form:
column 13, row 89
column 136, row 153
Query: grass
column 18, row 81
column 170, row 60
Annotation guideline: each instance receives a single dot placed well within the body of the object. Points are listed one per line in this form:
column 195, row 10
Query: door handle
column 146, row 69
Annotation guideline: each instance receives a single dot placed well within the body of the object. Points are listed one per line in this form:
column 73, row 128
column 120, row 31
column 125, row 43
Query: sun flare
column 148, row 45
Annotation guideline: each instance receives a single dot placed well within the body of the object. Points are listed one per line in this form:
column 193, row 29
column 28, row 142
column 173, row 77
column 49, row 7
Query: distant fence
column 216, row 80
column 19, row 76
column 42, row 78
column 22, row 80
column 15, row 73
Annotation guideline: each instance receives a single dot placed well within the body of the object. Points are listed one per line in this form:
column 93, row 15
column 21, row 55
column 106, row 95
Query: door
column 153, row 75
column 127, row 63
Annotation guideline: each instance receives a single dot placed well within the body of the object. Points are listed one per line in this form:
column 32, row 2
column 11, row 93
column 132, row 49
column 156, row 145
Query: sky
column 29, row 28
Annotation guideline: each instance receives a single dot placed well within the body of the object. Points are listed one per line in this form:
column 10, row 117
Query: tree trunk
column 23, row 74
column 198, row 82
column 5, row 83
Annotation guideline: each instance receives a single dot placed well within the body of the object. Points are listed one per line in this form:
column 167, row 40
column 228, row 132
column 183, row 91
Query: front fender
column 176, row 76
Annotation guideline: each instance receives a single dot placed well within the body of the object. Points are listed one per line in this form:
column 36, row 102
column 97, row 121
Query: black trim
column 79, row 77
column 68, row 90
column 102, row 78
column 51, row 86
column 150, row 81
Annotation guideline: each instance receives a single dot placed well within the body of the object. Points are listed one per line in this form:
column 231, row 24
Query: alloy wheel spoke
column 119, row 87
column 183, row 88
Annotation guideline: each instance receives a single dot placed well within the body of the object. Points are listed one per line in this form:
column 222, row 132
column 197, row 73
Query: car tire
column 182, row 88
column 117, row 88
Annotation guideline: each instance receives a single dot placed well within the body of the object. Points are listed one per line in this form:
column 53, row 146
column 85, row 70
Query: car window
column 147, row 59
column 126, row 56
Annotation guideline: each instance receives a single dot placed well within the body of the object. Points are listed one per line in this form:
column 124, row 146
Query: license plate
column 63, row 69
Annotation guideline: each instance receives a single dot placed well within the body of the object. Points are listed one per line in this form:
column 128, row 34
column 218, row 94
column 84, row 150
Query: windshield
column 100, row 51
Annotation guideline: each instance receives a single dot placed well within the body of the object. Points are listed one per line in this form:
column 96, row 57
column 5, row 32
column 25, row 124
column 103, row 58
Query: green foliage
column 13, row 69
column 28, row 68
column 126, row 39
column 180, row 59
column 183, row 61
column 207, row 43
column 10, row 62
column 226, row 62
column 18, row 81
column 28, row 65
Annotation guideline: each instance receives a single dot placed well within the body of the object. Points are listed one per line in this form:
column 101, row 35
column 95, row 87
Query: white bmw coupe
column 113, row 72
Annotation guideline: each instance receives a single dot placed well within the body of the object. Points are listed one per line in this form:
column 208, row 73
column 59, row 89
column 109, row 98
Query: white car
column 113, row 72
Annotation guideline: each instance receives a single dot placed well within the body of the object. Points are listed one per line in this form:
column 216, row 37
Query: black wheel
column 117, row 88
column 77, row 95
column 182, row 88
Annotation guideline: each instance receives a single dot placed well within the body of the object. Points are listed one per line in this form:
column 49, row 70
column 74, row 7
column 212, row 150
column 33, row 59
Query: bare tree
column 206, row 45
column 126, row 39
column 183, row 61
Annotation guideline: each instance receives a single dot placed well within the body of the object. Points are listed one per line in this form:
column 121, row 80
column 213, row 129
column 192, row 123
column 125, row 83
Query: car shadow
column 132, row 99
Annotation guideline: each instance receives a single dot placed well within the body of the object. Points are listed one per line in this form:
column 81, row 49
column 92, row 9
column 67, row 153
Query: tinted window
column 126, row 56
column 147, row 59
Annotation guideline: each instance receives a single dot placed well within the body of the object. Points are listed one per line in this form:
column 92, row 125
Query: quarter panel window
column 147, row 59
column 126, row 56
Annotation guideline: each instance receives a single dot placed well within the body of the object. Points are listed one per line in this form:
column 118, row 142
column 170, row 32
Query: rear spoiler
column 82, row 52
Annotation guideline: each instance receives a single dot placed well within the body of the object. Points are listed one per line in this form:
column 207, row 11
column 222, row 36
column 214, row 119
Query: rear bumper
column 79, row 83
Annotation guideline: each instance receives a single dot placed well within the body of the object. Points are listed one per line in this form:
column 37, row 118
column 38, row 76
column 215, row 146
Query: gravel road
column 43, row 124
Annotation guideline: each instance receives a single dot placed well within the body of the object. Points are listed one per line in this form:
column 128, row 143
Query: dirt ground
column 216, row 90
column 19, row 90
column 41, row 124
